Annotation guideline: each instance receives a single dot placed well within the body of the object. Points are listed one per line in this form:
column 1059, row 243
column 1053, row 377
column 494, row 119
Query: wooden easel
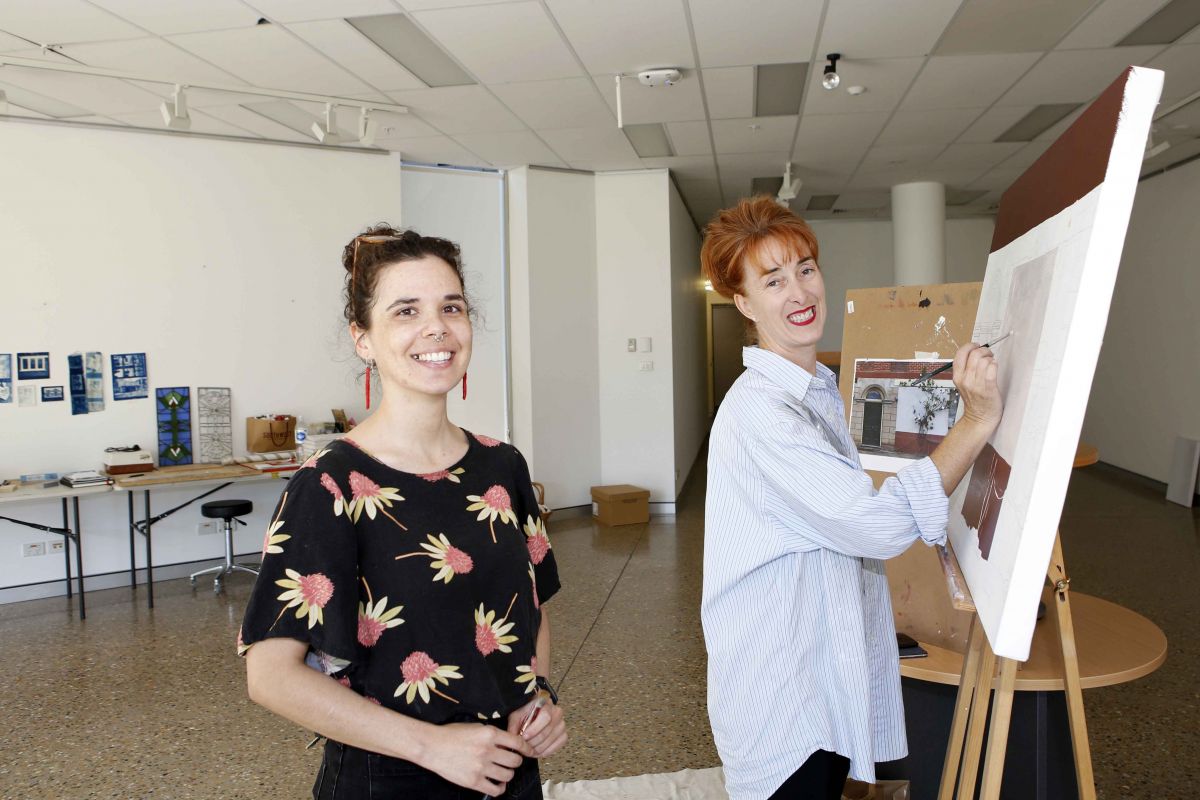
column 976, row 684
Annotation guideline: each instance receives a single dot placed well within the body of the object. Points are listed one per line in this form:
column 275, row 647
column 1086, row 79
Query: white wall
column 688, row 315
column 556, row 383
column 1148, row 376
column 220, row 260
column 467, row 207
column 633, row 260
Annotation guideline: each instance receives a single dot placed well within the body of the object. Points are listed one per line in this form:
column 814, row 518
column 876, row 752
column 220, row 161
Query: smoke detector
column 666, row 76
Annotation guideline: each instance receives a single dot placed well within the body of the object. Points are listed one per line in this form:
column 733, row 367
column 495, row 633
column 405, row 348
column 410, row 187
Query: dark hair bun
column 380, row 246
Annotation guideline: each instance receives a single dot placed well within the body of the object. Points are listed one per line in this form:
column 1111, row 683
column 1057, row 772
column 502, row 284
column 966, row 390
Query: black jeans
column 821, row 777
column 348, row 773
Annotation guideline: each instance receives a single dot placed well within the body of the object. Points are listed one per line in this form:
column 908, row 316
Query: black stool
column 228, row 510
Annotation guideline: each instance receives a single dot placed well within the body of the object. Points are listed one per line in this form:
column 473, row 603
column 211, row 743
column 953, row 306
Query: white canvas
column 1050, row 286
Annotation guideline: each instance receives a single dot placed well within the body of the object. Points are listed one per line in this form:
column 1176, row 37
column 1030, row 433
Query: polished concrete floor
column 135, row 703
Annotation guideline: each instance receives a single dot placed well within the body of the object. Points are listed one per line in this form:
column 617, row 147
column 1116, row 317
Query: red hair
column 737, row 236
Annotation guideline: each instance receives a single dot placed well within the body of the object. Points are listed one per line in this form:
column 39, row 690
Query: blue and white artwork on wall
column 79, row 403
column 52, row 394
column 173, row 411
column 129, row 377
column 33, row 366
column 6, row 392
column 93, row 375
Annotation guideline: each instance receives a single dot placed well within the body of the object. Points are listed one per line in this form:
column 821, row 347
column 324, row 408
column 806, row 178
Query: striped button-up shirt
column 797, row 614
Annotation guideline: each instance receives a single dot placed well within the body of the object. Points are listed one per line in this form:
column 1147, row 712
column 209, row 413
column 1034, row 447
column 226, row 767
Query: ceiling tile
column 885, row 179
column 151, row 57
column 1074, row 76
column 12, row 44
column 870, row 29
column 165, row 18
column 751, row 165
column 832, row 131
column 689, row 138
column 510, row 148
column 1010, row 26
column 565, row 103
column 269, row 57
column 754, row 135
column 201, row 123
column 640, row 104
column 922, row 127
column 685, row 167
column 304, row 10
column 862, row 199
column 730, row 92
column 974, row 81
column 40, row 104
column 1056, row 130
column 625, row 36
column 886, row 82
column 436, row 150
column 65, row 21
column 459, row 109
column 603, row 144
column 502, row 43
column 422, row 5
column 1181, row 63
column 976, row 156
column 1024, row 158
column 1109, row 23
column 256, row 123
column 993, row 122
column 15, row 110
column 895, row 155
column 775, row 32
column 95, row 95
column 342, row 43
column 996, row 180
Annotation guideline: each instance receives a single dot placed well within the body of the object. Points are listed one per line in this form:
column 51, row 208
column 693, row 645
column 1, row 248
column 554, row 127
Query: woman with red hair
column 803, row 674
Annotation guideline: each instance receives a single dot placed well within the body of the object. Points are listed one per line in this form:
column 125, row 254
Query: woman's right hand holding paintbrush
column 975, row 373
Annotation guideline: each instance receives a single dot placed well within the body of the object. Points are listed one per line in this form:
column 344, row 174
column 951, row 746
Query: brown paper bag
column 269, row 435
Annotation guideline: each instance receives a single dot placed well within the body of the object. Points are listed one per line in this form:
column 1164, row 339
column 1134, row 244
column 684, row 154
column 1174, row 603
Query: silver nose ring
column 438, row 337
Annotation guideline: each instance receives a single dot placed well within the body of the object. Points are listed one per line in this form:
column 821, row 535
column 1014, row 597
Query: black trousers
column 349, row 773
column 821, row 777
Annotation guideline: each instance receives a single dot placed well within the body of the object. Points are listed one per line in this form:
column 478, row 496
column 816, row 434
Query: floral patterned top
column 420, row 592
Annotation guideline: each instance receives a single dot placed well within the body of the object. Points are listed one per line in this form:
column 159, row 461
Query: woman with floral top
column 399, row 611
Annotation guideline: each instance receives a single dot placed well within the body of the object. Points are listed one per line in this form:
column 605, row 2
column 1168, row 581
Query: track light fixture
column 789, row 188
column 831, row 79
column 175, row 115
column 327, row 132
column 368, row 129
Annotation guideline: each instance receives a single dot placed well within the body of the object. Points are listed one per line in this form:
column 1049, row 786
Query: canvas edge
column 1065, row 421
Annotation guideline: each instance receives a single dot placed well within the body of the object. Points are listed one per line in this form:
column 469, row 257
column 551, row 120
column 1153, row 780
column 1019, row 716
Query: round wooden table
column 1115, row 645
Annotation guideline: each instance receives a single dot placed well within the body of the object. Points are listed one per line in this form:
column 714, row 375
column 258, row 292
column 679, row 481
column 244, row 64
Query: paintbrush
column 949, row 364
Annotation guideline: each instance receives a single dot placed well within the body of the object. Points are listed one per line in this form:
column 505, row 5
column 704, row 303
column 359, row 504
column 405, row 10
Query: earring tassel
column 368, row 386
column 464, row 386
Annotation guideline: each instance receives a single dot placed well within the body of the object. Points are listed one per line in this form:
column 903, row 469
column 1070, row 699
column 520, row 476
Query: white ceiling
column 943, row 78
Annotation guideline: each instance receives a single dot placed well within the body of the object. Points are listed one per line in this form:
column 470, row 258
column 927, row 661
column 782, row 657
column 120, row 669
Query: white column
column 919, row 232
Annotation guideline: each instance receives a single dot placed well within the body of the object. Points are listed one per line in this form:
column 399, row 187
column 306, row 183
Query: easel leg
column 962, row 710
column 1074, row 691
column 993, row 765
column 978, row 719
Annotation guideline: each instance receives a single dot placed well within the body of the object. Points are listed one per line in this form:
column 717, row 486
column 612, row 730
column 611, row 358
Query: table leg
column 149, row 557
column 132, row 554
column 78, row 537
column 67, row 548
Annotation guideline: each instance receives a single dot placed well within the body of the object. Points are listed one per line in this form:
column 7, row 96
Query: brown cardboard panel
column 899, row 321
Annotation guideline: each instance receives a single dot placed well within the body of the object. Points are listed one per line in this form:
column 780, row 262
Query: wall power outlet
column 33, row 549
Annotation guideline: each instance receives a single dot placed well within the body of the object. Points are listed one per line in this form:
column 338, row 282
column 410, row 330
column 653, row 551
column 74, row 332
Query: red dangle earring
column 464, row 386
column 369, row 363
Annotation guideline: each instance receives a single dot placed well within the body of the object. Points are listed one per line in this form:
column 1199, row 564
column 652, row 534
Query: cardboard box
column 620, row 504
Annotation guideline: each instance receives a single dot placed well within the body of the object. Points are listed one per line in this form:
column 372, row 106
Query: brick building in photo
column 890, row 415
